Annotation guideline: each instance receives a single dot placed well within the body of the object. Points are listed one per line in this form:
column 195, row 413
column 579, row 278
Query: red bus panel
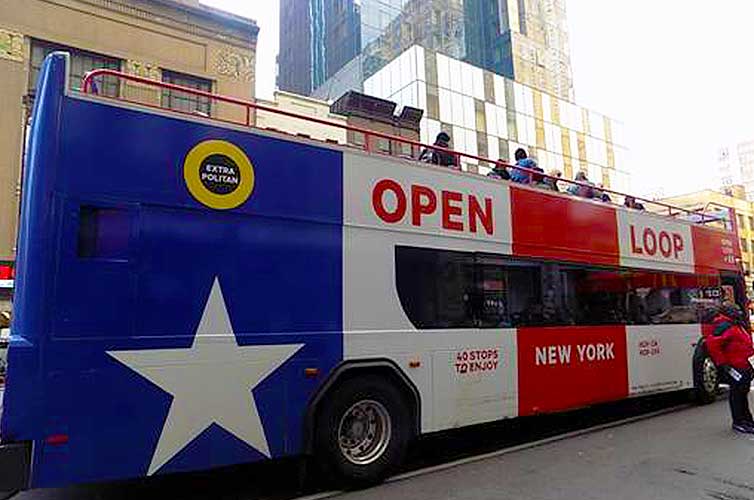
column 561, row 368
column 558, row 228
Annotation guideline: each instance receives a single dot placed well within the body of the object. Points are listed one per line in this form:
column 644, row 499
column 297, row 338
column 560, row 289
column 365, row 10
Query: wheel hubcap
column 709, row 376
column 364, row 432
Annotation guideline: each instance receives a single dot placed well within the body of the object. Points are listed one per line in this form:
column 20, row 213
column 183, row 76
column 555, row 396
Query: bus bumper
column 15, row 464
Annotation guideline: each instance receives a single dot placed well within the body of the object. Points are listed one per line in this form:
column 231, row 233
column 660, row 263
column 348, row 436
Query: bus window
column 436, row 288
column 444, row 289
column 527, row 306
column 493, row 293
column 600, row 297
column 103, row 233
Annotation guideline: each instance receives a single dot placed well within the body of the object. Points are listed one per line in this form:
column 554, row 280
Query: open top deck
column 242, row 112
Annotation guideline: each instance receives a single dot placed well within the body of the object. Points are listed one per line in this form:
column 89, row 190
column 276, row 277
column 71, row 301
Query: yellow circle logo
column 218, row 174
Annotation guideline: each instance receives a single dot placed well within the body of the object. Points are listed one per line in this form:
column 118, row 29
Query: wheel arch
column 352, row 369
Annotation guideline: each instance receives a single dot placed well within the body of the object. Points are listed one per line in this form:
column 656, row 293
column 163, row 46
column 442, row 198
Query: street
column 688, row 452
column 682, row 455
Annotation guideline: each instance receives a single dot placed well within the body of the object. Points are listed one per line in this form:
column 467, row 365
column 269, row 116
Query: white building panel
column 654, row 242
column 490, row 113
column 499, row 85
column 493, row 148
column 443, row 71
column 467, row 80
column 477, row 76
column 522, row 129
column 446, row 106
column 458, row 115
column 471, row 148
column 547, row 107
column 456, row 79
column 421, row 91
column 469, row 113
column 421, row 70
column 660, row 357
column 502, row 123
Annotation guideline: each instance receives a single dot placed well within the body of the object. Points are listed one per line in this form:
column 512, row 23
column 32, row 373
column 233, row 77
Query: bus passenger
column 521, row 176
column 499, row 171
column 602, row 195
column 438, row 157
column 630, row 202
column 583, row 191
column 730, row 347
column 551, row 182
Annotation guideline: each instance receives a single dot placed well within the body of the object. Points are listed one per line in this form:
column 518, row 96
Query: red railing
column 89, row 87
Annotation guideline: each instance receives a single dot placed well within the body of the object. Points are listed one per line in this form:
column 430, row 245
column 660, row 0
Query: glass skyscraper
column 330, row 46
column 491, row 116
column 494, row 74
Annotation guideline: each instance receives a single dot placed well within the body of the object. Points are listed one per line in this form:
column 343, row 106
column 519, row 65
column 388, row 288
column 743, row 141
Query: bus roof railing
column 89, row 86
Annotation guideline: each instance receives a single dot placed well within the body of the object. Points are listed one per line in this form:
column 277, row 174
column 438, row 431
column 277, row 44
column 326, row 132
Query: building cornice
column 200, row 21
column 240, row 22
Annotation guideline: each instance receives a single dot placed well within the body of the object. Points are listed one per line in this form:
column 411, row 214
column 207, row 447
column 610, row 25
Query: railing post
column 367, row 146
column 248, row 116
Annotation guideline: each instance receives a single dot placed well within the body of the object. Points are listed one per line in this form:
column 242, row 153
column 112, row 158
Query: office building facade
column 330, row 46
column 735, row 163
column 490, row 116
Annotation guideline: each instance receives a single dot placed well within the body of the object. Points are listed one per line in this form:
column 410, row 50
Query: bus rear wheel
column 362, row 431
column 706, row 379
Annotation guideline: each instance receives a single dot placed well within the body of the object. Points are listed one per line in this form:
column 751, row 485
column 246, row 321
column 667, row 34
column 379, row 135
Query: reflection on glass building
column 490, row 116
column 495, row 74
column 330, row 46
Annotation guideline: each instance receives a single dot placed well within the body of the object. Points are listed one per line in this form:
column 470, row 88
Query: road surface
column 689, row 454
column 685, row 454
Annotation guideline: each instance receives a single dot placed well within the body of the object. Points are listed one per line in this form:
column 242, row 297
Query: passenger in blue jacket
column 523, row 177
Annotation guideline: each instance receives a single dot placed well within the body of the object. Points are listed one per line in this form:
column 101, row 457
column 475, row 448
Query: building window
column 744, row 245
column 81, row 63
column 383, row 145
column 751, row 222
column 435, row 287
column 740, row 221
column 358, row 139
column 184, row 101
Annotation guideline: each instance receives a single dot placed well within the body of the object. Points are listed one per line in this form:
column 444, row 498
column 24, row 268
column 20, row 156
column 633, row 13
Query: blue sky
column 678, row 73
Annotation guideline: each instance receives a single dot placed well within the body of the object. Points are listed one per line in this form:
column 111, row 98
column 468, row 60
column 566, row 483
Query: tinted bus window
column 103, row 233
column 443, row 289
column 435, row 288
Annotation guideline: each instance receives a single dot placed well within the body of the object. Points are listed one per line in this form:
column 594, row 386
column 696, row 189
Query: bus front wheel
column 362, row 431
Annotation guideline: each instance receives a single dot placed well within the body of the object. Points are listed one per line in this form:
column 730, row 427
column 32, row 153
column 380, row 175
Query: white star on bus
column 210, row 382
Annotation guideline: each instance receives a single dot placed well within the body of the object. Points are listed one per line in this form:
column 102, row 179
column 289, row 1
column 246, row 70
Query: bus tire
column 362, row 431
column 706, row 379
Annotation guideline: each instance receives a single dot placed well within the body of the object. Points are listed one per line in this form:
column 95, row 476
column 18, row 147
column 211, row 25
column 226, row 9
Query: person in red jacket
column 730, row 346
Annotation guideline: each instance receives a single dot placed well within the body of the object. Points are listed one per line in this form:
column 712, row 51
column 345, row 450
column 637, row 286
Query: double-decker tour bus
column 193, row 293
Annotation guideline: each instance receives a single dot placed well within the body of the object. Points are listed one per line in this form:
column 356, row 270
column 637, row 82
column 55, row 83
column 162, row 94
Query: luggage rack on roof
column 89, row 86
